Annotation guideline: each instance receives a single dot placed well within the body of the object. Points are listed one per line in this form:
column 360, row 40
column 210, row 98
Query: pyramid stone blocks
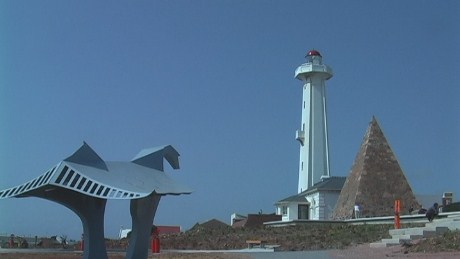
column 375, row 181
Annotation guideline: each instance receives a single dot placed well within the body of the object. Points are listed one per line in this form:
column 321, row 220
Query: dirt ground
column 122, row 256
column 365, row 251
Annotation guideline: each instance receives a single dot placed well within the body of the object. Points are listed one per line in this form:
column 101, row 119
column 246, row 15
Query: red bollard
column 82, row 244
column 11, row 241
column 155, row 241
column 156, row 245
column 397, row 211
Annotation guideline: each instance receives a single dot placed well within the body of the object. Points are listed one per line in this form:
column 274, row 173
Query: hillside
column 293, row 238
column 300, row 238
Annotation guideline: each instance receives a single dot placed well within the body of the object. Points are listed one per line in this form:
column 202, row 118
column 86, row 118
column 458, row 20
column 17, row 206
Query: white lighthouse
column 314, row 150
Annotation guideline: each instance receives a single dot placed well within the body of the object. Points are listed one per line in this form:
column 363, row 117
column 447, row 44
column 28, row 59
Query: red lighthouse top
column 313, row 53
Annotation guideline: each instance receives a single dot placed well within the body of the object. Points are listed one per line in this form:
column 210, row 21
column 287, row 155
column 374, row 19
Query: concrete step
column 406, row 237
column 400, row 231
column 437, row 229
column 386, row 242
column 456, row 215
column 456, row 218
column 451, row 225
column 410, row 231
column 449, row 218
column 420, row 231
column 407, row 234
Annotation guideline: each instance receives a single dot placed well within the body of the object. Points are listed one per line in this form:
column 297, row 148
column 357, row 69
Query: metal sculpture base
column 91, row 211
column 142, row 214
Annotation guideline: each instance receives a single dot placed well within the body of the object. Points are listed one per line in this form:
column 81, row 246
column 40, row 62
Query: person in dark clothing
column 432, row 212
column 422, row 211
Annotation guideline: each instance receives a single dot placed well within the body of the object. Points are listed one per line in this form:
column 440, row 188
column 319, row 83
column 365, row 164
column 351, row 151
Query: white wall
column 322, row 204
column 314, row 199
column 292, row 211
column 330, row 198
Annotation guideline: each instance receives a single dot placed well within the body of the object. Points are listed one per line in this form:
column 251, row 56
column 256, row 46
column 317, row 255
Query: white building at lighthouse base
column 316, row 203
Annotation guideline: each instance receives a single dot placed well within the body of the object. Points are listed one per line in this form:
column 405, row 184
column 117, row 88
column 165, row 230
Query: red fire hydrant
column 155, row 240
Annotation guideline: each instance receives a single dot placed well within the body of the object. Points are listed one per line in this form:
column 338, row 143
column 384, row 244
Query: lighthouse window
column 301, row 166
column 304, row 104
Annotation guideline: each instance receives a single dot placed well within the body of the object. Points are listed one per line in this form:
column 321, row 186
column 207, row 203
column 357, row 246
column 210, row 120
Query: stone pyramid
column 375, row 181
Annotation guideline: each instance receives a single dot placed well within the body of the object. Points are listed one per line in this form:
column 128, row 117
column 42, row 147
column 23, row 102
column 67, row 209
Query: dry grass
column 449, row 241
column 294, row 238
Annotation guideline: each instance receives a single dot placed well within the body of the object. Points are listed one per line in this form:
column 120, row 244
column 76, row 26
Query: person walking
column 357, row 211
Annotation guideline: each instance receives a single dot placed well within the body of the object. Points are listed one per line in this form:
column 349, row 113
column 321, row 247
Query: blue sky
column 216, row 80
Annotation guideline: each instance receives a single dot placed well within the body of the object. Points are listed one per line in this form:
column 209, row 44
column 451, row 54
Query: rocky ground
column 293, row 238
column 448, row 242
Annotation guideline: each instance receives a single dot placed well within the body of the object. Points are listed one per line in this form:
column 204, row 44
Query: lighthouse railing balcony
column 305, row 67
column 312, row 68
column 300, row 136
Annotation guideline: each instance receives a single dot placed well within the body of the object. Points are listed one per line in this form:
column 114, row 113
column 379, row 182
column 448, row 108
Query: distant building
column 124, row 232
column 253, row 220
column 210, row 225
column 235, row 217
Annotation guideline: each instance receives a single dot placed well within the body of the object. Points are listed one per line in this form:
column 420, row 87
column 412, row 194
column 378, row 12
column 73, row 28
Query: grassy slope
column 296, row 238
column 306, row 237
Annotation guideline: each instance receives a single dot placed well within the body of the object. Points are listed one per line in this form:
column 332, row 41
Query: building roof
column 256, row 220
column 334, row 183
column 87, row 173
column 376, row 180
column 209, row 225
column 298, row 198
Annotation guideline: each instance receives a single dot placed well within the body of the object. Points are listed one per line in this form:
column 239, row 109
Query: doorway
column 303, row 211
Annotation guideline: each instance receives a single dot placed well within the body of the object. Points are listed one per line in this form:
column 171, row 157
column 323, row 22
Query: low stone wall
column 405, row 219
